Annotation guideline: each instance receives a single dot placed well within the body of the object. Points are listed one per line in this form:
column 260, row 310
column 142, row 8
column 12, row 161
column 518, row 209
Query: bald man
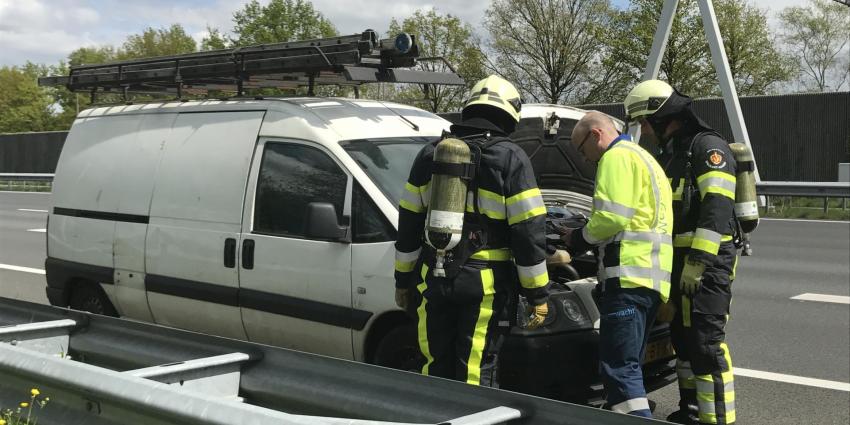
column 631, row 227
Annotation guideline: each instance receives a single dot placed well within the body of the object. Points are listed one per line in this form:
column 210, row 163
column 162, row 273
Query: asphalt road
column 767, row 332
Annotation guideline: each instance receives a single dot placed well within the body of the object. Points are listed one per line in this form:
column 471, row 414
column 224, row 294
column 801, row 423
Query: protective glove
column 666, row 311
column 691, row 277
column 540, row 312
column 401, row 298
column 559, row 258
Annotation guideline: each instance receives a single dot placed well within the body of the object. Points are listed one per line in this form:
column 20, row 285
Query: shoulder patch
column 715, row 158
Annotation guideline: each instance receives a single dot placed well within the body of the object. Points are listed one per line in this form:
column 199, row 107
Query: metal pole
column 724, row 77
column 659, row 43
column 656, row 54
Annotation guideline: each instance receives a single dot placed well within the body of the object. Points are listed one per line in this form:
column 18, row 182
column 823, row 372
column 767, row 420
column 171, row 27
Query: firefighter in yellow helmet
column 463, row 290
column 631, row 225
column 702, row 172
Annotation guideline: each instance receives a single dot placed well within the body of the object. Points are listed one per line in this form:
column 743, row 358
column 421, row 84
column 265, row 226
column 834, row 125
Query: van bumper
column 566, row 366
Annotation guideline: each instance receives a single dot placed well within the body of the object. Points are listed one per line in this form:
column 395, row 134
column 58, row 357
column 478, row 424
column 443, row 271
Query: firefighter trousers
column 703, row 360
column 461, row 322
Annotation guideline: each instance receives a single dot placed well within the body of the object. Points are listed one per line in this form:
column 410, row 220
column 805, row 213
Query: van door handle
column 230, row 253
column 248, row 254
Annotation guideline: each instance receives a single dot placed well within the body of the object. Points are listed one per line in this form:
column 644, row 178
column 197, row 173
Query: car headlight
column 566, row 313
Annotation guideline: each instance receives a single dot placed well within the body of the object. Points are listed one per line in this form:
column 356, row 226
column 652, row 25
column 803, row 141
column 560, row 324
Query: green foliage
column 548, row 48
column 818, row 38
column 279, row 21
column 157, row 42
column 754, row 62
column 25, row 105
column 445, row 36
column 214, row 40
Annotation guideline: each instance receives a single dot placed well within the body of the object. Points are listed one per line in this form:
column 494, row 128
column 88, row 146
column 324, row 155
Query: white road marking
column 21, row 269
column 37, row 230
column 838, row 299
column 805, row 220
column 21, row 191
column 27, row 209
column 791, row 379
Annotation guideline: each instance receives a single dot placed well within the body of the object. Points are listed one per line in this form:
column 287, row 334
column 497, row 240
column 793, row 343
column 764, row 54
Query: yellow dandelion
column 35, row 392
column 25, row 404
column 2, row 422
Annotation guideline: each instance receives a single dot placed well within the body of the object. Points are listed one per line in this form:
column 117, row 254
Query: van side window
column 370, row 225
column 291, row 177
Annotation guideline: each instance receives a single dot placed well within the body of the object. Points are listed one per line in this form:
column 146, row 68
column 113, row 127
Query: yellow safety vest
column 632, row 219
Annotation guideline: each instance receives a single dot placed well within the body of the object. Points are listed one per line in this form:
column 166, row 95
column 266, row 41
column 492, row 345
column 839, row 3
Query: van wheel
column 87, row 296
column 399, row 349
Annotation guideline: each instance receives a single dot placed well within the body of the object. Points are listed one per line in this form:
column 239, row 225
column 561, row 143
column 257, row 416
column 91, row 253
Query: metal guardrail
column 765, row 188
column 132, row 373
column 809, row 189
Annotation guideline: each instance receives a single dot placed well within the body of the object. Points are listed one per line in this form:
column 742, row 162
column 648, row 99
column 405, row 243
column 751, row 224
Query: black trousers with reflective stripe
column 461, row 322
column 698, row 328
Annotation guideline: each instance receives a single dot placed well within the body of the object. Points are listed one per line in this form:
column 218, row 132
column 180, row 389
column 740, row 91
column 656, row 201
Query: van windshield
column 387, row 160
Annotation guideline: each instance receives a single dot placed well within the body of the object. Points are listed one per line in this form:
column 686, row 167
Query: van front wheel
column 88, row 296
column 399, row 349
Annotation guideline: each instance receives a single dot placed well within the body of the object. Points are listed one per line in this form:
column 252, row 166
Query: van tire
column 89, row 296
column 398, row 349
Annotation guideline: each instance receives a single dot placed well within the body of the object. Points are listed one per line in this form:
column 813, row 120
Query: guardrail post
column 825, row 206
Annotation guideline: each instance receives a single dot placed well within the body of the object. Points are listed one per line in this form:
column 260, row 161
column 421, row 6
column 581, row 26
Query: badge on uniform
column 715, row 158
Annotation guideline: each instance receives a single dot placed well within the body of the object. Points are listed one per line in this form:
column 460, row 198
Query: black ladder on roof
column 344, row 61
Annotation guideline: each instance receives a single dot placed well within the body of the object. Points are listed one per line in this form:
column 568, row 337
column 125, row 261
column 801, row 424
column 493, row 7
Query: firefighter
column 465, row 297
column 632, row 226
column 702, row 172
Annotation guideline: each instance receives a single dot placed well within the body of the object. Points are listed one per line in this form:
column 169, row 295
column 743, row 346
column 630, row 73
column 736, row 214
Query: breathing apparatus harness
column 447, row 261
column 739, row 238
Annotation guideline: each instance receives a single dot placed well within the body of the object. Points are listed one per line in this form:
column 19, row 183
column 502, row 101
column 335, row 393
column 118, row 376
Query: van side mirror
column 322, row 223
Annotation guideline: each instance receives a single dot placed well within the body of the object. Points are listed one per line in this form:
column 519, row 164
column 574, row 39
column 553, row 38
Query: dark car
column 560, row 360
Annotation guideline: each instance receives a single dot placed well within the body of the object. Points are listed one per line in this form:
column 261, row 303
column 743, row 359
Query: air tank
column 746, row 204
column 447, row 205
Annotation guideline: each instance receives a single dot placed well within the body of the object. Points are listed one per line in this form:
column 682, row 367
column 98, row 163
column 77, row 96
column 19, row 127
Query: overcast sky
column 45, row 31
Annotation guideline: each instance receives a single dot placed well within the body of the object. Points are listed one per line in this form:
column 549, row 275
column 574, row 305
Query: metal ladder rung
column 217, row 375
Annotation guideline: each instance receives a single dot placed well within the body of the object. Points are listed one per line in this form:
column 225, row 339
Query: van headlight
column 566, row 313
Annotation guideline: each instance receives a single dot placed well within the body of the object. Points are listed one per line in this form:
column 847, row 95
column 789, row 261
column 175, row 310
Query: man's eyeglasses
column 583, row 141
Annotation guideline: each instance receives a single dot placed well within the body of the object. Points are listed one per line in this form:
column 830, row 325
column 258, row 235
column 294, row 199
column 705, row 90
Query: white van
column 274, row 221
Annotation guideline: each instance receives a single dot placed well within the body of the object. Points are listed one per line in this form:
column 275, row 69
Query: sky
column 46, row 31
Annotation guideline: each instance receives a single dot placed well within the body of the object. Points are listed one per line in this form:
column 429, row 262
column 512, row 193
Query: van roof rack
column 343, row 61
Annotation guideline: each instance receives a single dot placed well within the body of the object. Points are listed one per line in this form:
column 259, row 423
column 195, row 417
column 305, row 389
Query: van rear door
column 295, row 289
column 195, row 221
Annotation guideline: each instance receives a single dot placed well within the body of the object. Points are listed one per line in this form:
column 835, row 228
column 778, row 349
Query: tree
column 755, row 63
column 279, row 21
column 448, row 37
column 25, row 105
column 546, row 47
column 214, row 40
column 158, row 42
column 818, row 39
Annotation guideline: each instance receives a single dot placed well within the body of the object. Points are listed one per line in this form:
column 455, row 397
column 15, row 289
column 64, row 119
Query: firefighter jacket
column 632, row 219
column 701, row 169
column 509, row 203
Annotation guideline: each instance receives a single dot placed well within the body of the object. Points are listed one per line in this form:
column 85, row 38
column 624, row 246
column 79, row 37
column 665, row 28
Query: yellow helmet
column 497, row 92
column 646, row 98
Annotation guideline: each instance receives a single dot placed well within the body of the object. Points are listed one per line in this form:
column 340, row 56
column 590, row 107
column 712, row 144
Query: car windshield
column 387, row 160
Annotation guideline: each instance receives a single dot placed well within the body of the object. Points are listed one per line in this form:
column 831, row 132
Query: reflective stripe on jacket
column 709, row 219
column 632, row 219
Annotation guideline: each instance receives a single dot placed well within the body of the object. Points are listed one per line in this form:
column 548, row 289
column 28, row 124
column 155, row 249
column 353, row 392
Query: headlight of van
column 566, row 313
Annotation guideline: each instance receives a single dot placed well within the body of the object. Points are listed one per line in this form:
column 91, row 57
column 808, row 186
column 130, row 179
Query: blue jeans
column 627, row 315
